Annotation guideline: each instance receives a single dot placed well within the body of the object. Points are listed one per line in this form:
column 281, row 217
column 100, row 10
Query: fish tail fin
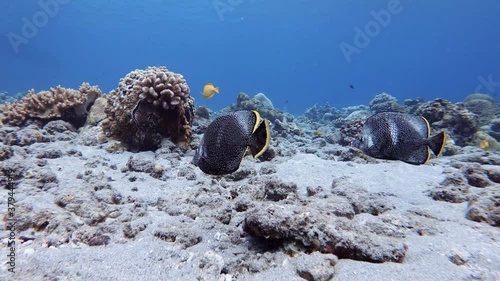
column 437, row 142
column 216, row 89
column 260, row 139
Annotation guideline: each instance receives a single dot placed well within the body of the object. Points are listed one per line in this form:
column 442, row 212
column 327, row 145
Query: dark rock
column 202, row 112
column 184, row 237
column 476, row 176
column 276, row 190
column 486, row 206
column 58, row 126
column 138, row 163
column 315, row 266
column 321, row 232
column 493, row 173
column 14, row 169
column 453, row 189
column 50, row 153
column 26, row 136
column 338, row 206
column 99, row 240
column 311, row 191
column 5, row 152
column 459, row 257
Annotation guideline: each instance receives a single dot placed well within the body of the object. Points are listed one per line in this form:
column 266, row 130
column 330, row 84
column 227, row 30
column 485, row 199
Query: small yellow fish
column 484, row 144
column 209, row 90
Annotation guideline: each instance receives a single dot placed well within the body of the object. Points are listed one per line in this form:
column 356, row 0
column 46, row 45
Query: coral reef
column 485, row 106
column 149, row 105
column 350, row 130
column 202, row 112
column 260, row 103
column 384, row 102
column 323, row 113
column 264, row 101
column 460, row 123
column 57, row 103
column 494, row 129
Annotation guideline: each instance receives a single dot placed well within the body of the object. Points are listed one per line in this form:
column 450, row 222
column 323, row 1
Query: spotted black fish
column 399, row 136
column 228, row 138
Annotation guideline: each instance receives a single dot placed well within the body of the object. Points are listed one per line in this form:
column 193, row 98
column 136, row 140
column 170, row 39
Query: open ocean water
column 299, row 53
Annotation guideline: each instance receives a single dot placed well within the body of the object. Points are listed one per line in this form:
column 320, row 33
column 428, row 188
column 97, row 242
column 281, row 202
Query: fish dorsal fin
column 257, row 120
column 260, row 139
column 428, row 127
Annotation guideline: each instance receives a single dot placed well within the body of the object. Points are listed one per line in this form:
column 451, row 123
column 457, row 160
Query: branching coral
column 57, row 103
column 149, row 105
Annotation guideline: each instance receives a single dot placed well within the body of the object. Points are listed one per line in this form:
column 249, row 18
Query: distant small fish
column 209, row 90
column 351, row 86
column 228, row 138
column 484, row 144
column 399, row 136
column 318, row 133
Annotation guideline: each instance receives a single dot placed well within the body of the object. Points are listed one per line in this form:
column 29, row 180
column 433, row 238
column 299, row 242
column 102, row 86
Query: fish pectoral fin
column 260, row 139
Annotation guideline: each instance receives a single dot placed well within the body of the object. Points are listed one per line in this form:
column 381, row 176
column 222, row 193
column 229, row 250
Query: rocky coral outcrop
column 485, row 207
column 494, row 129
column 323, row 113
column 385, row 103
column 460, row 123
column 483, row 105
column 350, row 130
column 323, row 233
column 149, row 105
column 260, row 103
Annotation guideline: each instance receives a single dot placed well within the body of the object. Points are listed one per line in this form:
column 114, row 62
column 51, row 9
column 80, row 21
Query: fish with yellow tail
column 399, row 136
column 209, row 90
column 228, row 138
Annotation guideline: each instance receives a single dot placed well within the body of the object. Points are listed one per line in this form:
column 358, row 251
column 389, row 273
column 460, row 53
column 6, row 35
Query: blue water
column 289, row 50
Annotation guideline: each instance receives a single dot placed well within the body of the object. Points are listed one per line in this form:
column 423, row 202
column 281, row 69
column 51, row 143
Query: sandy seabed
column 84, row 211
